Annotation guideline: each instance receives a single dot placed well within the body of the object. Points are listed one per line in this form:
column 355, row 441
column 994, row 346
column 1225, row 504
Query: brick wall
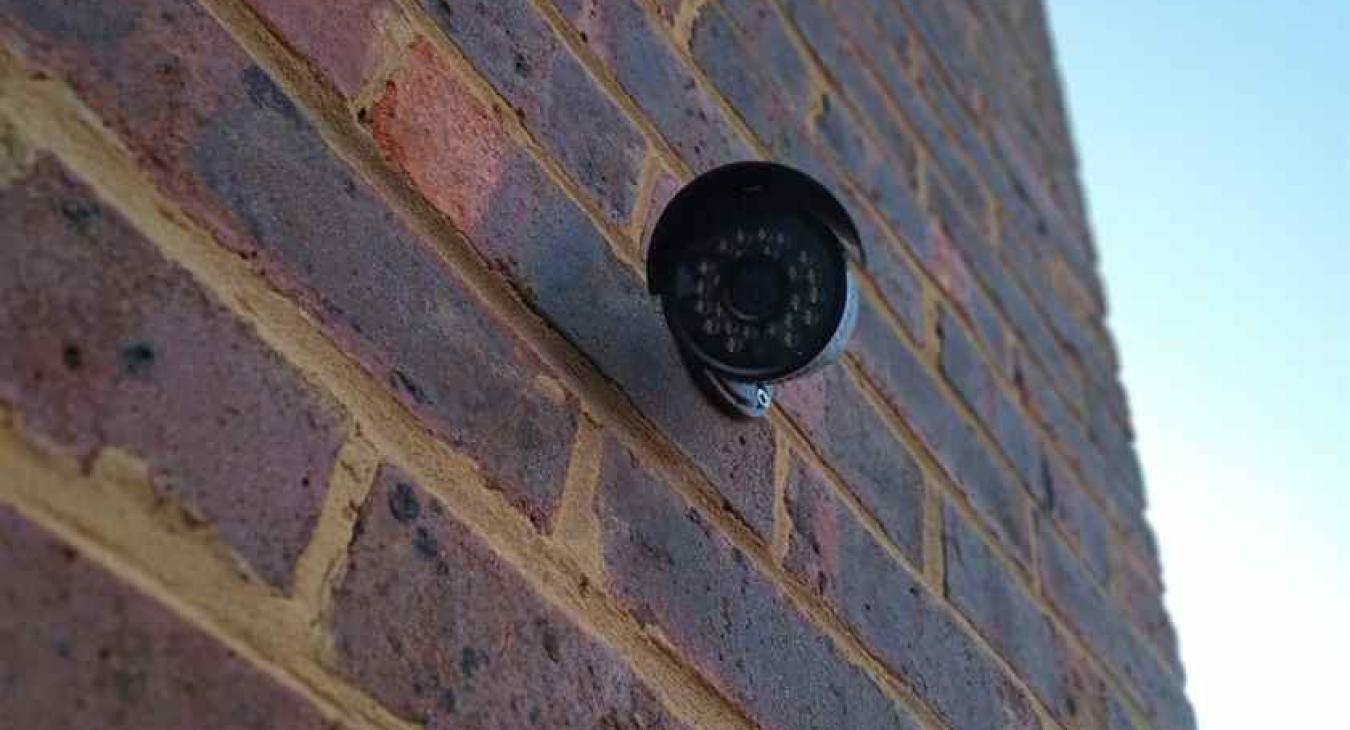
column 331, row 395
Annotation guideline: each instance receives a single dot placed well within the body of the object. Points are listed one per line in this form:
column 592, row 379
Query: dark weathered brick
column 862, row 448
column 892, row 184
column 230, row 147
column 82, row 649
column 580, row 124
column 950, row 168
column 913, row 391
column 1065, row 428
column 958, row 244
column 1010, row 299
column 1142, row 599
column 887, row 180
column 1079, row 516
column 1117, row 717
column 109, row 344
column 1109, row 433
column 992, row 597
column 944, row 260
column 895, row 615
column 1105, row 630
column 734, row 72
column 764, row 31
column 443, row 632
column 969, row 373
column 900, row 287
column 672, row 569
column 881, row 41
column 344, row 39
column 643, row 59
column 553, row 254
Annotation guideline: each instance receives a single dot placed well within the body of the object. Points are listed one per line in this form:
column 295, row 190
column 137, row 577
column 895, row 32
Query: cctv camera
column 754, row 265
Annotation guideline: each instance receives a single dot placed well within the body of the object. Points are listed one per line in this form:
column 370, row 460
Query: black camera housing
column 754, row 265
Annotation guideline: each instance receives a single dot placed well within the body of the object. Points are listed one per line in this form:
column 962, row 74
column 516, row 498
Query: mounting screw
column 762, row 396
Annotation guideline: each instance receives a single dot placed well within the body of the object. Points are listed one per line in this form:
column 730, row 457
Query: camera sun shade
column 754, row 264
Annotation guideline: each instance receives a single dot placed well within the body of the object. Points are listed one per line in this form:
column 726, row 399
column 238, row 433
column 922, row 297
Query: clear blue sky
column 1214, row 139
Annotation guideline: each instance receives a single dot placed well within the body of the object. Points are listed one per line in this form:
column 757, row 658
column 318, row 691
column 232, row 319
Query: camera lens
column 761, row 297
column 756, row 289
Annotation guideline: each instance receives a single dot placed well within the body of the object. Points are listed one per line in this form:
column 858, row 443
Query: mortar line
column 35, row 483
column 323, row 562
column 920, row 575
column 899, row 422
column 903, row 432
column 929, row 355
column 934, row 540
column 644, row 203
column 782, row 517
column 1021, row 574
column 576, row 527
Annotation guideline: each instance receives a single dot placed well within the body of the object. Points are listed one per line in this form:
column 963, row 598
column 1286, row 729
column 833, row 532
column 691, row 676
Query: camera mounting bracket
column 735, row 397
column 706, row 232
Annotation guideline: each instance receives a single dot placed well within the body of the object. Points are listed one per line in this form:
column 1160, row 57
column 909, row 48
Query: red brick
column 898, row 374
column 236, row 153
column 644, row 61
column 84, row 650
column 671, row 569
column 108, row 344
column 992, row 597
column 899, row 619
column 878, row 469
column 538, row 237
column 511, row 44
column 443, row 632
column 344, row 38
